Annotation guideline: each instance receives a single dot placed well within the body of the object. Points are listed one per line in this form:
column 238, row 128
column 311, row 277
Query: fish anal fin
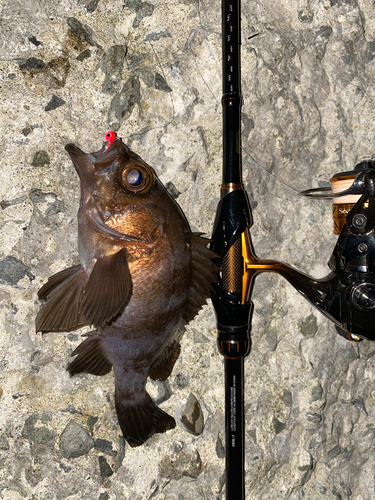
column 90, row 357
column 141, row 419
column 203, row 270
column 162, row 367
column 108, row 289
column 56, row 279
column 61, row 313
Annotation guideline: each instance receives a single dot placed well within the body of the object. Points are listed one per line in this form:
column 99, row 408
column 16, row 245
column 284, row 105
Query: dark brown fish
column 142, row 275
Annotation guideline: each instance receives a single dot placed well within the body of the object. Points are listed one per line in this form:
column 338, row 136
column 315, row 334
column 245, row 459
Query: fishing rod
column 233, row 217
column 346, row 295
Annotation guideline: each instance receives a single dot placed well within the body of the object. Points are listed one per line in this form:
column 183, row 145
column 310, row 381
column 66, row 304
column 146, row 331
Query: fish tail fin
column 141, row 419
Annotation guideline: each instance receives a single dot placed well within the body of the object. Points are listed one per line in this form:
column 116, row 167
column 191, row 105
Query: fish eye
column 136, row 177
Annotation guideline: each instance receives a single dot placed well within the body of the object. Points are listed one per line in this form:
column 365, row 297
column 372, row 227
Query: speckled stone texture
column 151, row 70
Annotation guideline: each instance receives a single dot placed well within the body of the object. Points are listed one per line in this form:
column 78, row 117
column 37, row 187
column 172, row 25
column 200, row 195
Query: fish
column 143, row 275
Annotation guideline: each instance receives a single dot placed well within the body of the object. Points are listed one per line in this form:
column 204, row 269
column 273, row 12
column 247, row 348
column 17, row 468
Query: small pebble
column 75, row 441
column 192, row 416
column 105, row 469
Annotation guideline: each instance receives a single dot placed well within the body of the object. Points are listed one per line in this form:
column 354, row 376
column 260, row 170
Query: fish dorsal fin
column 61, row 311
column 202, row 276
column 90, row 357
column 108, row 289
column 162, row 367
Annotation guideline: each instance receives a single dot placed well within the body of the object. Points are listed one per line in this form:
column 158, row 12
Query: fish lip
column 83, row 162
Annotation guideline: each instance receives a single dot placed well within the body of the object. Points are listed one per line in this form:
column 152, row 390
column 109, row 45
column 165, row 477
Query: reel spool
column 341, row 205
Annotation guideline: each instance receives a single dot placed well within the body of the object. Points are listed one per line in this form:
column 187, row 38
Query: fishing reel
column 347, row 294
column 351, row 301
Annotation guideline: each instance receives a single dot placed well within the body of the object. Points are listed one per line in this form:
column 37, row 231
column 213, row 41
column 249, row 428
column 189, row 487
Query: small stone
column 360, row 403
column 9, row 203
column 85, row 54
column 71, row 409
column 321, row 488
column 4, row 445
column 316, row 393
column 12, row 270
column 81, row 34
column 192, row 416
column 40, row 159
column 123, row 103
column 103, row 496
column 31, row 63
column 309, row 327
column 333, row 453
column 278, row 426
column 75, row 441
column 38, row 435
column 220, row 450
column 105, row 469
column 313, row 417
column 142, row 9
column 27, row 130
column 65, row 468
column 181, row 380
column 153, row 37
column 172, row 190
column 34, row 41
column 105, row 447
column 90, row 5
column 161, row 84
column 112, row 64
column 121, row 454
column 54, row 103
column 90, row 422
column 164, row 390
column 287, row 398
column 46, row 204
column 199, row 338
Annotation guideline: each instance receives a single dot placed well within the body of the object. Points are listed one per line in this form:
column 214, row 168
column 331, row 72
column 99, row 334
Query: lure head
column 109, row 139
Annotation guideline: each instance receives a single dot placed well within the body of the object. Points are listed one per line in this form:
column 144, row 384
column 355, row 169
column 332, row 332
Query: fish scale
column 142, row 275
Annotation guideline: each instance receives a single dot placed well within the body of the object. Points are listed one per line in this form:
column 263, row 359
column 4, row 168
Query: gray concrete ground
column 152, row 71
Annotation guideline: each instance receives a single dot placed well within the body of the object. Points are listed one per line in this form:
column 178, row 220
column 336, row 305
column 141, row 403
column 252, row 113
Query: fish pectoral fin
column 108, row 289
column 141, row 419
column 162, row 367
column 56, row 280
column 61, row 311
column 202, row 276
column 90, row 357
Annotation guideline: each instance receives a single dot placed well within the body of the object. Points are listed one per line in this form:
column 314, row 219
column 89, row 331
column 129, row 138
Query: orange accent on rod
column 231, row 186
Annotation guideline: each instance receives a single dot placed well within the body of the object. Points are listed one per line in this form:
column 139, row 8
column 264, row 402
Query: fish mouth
column 83, row 163
column 87, row 164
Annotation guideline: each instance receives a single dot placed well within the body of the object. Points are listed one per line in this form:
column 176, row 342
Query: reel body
column 353, row 265
column 346, row 295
